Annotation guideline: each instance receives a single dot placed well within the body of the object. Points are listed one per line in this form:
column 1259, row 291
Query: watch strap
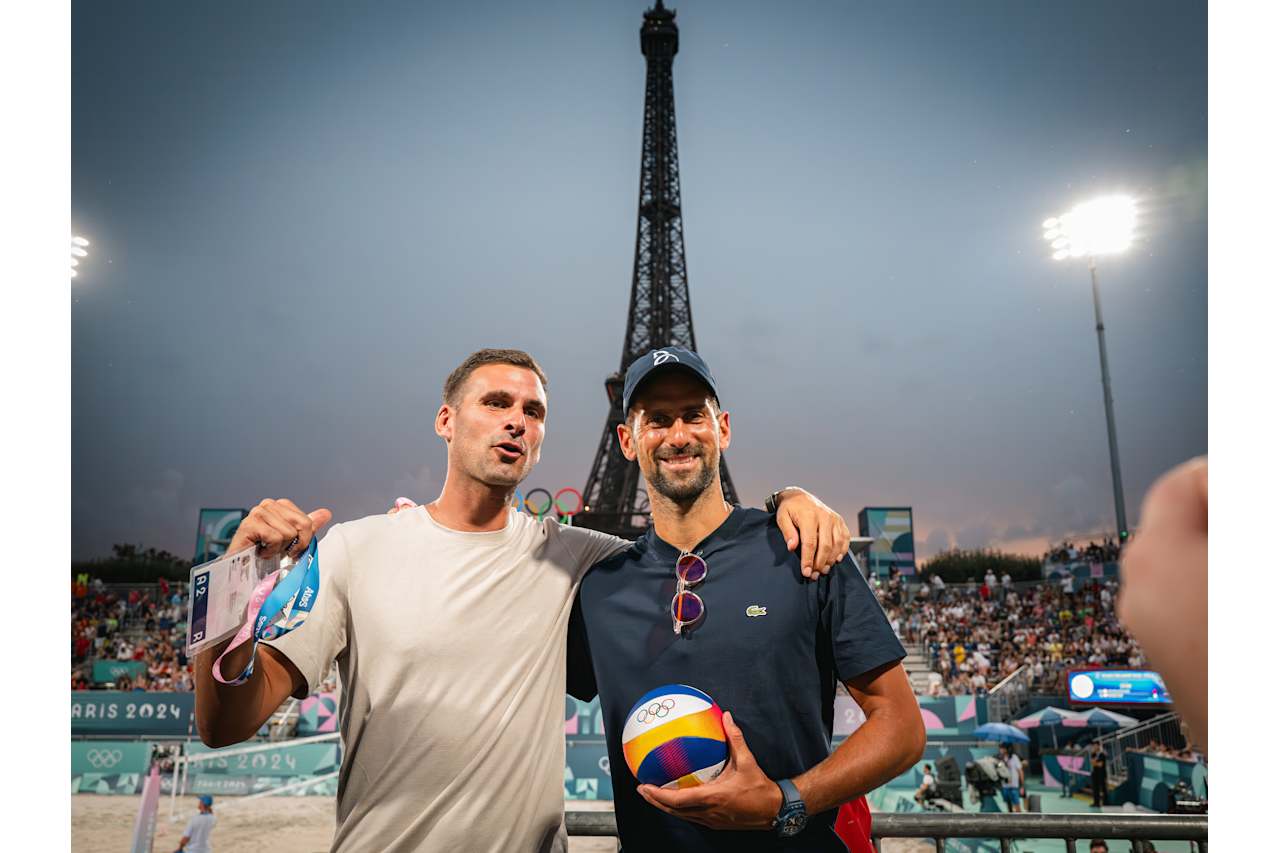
column 792, row 816
column 771, row 504
column 790, row 793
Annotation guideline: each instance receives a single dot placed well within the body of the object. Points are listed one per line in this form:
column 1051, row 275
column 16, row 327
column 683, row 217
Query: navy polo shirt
column 775, row 672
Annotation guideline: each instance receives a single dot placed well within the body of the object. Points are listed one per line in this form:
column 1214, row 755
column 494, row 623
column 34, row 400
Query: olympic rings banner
column 114, row 712
column 540, row 503
column 109, row 756
column 112, row 670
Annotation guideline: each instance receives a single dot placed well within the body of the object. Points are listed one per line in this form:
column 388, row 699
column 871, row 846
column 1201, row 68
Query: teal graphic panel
column 586, row 770
column 112, row 670
column 308, row 759
column 215, row 530
column 894, row 544
column 109, row 756
column 106, row 783
column 582, row 718
column 318, row 715
column 113, row 712
column 226, row 784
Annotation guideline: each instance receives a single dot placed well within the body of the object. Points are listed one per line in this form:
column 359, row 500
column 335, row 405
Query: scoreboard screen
column 1117, row 687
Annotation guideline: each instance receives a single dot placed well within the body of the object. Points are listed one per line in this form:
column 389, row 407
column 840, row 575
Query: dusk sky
column 304, row 215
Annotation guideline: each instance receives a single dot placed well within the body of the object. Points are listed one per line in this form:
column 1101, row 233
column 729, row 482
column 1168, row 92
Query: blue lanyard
column 292, row 599
column 285, row 608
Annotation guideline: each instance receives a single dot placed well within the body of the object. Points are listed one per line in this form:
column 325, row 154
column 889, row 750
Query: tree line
column 960, row 565
column 134, row 564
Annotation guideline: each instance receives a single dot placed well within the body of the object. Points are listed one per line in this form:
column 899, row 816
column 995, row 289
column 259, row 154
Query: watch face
column 792, row 825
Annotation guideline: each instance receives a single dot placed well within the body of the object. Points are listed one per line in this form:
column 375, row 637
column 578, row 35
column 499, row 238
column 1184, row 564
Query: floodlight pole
column 1122, row 525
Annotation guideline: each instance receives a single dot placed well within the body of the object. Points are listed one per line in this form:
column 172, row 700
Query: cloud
column 1186, row 190
column 938, row 540
column 1028, row 529
column 1016, row 531
column 158, row 501
column 420, row 484
column 1073, row 507
column 978, row 535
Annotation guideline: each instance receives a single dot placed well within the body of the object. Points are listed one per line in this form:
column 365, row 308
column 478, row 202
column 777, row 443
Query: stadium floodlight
column 78, row 251
column 1103, row 226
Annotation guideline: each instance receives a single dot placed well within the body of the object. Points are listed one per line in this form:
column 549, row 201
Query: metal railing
column 284, row 721
column 1165, row 729
column 1004, row 828
column 1009, row 697
column 966, row 588
column 1069, row 828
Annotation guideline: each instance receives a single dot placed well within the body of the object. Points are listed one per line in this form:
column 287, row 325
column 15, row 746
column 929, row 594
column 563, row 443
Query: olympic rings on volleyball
column 540, row 503
column 655, row 710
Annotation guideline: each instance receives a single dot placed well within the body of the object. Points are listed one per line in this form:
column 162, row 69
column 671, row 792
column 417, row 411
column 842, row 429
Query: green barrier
column 106, row 783
column 308, row 759
column 114, row 712
column 218, row 784
column 108, row 766
column 1156, row 777
column 109, row 756
column 113, row 670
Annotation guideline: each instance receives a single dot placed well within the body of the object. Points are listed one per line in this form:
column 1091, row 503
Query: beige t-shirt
column 451, row 651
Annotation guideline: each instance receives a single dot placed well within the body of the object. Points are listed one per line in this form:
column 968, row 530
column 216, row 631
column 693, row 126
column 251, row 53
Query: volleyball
column 674, row 737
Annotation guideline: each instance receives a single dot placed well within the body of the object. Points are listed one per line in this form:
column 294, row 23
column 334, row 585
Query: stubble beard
column 683, row 493
column 496, row 474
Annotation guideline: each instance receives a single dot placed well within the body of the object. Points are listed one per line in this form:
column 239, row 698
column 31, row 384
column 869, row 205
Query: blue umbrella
column 1001, row 733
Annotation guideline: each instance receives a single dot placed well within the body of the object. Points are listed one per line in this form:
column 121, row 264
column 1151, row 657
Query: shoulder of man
column 628, row 553
column 341, row 544
column 757, row 523
column 370, row 530
column 755, row 517
column 361, row 530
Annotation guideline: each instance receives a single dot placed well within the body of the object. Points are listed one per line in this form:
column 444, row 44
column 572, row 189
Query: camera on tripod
column 1183, row 800
column 986, row 776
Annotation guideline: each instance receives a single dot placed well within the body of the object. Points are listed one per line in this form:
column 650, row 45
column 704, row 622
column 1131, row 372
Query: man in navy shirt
column 764, row 642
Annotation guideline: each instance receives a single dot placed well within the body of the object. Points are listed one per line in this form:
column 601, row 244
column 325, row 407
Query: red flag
column 853, row 825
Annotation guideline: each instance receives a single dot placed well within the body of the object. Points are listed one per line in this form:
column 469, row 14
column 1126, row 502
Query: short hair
column 515, row 357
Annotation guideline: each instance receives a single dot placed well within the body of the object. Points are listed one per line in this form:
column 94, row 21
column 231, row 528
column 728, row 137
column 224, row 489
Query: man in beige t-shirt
column 448, row 625
column 451, row 651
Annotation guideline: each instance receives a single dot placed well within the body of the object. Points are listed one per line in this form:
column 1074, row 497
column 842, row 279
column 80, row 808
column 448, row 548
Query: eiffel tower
column 659, row 315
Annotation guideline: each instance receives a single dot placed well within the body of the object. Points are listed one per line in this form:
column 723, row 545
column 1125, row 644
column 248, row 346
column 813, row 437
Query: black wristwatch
column 792, row 817
column 771, row 503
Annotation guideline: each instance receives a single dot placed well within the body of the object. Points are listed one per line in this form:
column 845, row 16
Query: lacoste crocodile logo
column 757, row 610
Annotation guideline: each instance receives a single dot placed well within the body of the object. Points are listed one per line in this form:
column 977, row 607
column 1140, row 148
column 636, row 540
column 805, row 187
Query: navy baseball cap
column 206, row 799
column 667, row 358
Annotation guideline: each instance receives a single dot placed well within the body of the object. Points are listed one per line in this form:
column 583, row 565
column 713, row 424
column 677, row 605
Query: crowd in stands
column 1189, row 752
column 146, row 625
column 974, row 635
column 1107, row 551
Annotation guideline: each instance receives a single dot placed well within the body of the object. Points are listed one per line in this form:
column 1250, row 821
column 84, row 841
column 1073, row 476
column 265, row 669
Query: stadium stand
column 965, row 638
column 971, row 636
